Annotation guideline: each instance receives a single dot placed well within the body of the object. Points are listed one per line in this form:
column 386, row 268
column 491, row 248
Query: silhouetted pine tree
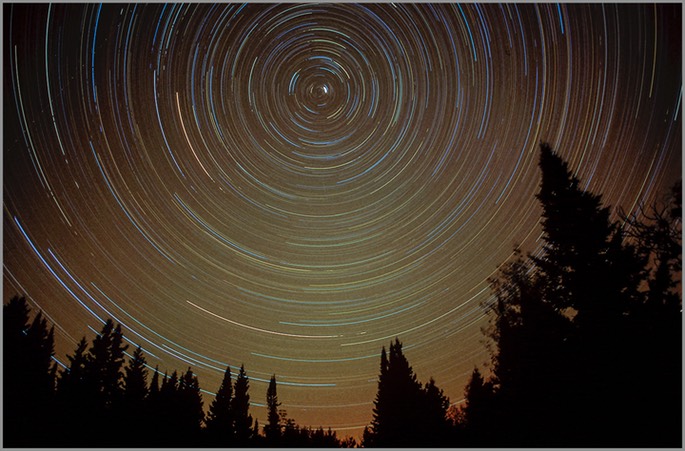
column 241, row 407
column 219, row 428
column 272, row 429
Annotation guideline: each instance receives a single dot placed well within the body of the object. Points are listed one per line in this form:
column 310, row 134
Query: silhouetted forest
column 99, row 400
column 586, row 341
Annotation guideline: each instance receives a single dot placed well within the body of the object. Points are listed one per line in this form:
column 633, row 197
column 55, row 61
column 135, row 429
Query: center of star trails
column 319, row 92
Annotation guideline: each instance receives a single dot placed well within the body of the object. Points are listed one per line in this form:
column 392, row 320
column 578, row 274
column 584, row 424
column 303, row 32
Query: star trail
column 291, row 186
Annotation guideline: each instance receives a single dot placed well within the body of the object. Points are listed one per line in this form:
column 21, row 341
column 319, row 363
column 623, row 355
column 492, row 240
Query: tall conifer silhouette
column 568, row 328
column 272, row 429
column 400, row 404
column 135, row 379
column 131, row 412
column 220, row 419
column 189, row 411
column 241, row 409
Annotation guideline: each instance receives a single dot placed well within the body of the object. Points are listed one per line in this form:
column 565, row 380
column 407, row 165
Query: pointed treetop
column 220, row 415
column 135, row 378
column 272, row 430
column 154, row 384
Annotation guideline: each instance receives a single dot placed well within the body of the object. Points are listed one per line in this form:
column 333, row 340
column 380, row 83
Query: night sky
column 290, row 186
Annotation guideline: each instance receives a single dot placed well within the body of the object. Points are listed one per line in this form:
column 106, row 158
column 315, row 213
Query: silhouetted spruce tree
column 189, row 411
column 169, row 386
column 40, row 369
column 73, row 400
column 576, row 231
column 40, row 374
column 586, row 266
column 272, row 429
column 241, row 406
column 565, row 328
column 532, row 311
column 531, row 361
column 375, row 433
column 71, row 378
column 15, row 323
column 153, row 404
column 103, row 367
column 479, row 413
column 131, row 412
column 114, row 369
column 433, row 425
column 219, row 427
column 135, row 380
column 181, row 410
column 29, row 375
column 397, row 408
column 154, row 384
column 103, row 384
column 257, row 440
column 168, row 432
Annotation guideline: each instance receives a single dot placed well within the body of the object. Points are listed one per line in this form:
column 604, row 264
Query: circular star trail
column 290, row 187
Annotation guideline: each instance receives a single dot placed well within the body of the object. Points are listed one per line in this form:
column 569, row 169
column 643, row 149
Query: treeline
column 103, row 399
column 586, row 342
